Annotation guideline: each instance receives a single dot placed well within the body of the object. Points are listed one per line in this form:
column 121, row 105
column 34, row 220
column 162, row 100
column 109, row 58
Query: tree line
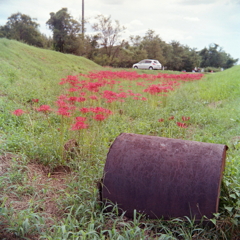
column 106, row 47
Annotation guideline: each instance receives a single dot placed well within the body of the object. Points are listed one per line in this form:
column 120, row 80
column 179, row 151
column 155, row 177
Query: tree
column 176, row 60
column 65, row 31
column 22, row 28
column 214, row 56
column 180, row 57
column 191, row 59
column 137, row 49
column 153, row 45
column 90, row 46
column 109, row 35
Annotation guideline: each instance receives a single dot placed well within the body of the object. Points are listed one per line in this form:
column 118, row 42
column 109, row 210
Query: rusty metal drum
column 162, row 177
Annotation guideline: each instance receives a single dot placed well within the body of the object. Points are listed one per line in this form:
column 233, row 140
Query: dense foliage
column 23, row 28
column 106, row 47
column 214, row 56
column 65, row 30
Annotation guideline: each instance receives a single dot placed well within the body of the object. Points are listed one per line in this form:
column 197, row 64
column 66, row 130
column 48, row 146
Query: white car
column 150, row 64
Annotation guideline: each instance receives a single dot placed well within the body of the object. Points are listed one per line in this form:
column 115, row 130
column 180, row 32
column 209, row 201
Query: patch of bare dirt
column 9, row 236
column 235, row 139
column 48, row 186
column 214, row 104
column 45, row 188
column 5, row 162
column 71, row 149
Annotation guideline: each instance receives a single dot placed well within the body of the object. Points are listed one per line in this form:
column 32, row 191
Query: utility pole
column 83, row 19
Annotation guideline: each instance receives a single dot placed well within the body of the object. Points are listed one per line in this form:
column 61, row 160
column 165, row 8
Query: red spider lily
column 72, row 89
column 100, row 109
column 18, row 112
column 44, row 108
column 154, row 89
column 81, row 119
column 72, row 99
column 140, row 84
column 99, row 117
column 81, row 99
column 85, row 110
column 64, row 111
column 185, row 118
column 35, row 100
column 94, row 80
column 182, row 125
column 94, row 97
column 182, row 77
column 79, row 125
column 109, row 95
column 93, row 87
column 61, row 103
column 122, row 95
column 62, row 97
column 72, row 80
column 161, row 120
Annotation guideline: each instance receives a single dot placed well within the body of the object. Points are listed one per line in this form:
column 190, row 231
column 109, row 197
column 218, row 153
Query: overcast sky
column 196, row 23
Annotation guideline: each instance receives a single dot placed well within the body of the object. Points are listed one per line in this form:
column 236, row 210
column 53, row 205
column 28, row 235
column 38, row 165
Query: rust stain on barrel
column 163, row 177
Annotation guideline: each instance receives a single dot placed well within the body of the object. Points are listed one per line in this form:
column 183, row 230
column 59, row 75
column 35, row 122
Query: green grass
column 28, row 72
column 48, row 194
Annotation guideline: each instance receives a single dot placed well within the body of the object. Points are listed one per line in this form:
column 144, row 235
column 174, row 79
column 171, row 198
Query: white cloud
column 114, row 2
column 133, row 25
column 136, row 22
column 198, row 2
column 192, row 19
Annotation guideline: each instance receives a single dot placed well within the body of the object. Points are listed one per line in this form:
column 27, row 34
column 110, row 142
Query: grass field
column 59, row 114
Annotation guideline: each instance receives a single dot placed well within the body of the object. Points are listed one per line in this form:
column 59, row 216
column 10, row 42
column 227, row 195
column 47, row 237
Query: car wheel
column 150, row 68
column 135, row 67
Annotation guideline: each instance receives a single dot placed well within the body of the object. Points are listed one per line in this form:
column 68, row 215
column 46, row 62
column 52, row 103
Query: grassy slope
column 27, row 73
column 23, row 67
column 213, row 104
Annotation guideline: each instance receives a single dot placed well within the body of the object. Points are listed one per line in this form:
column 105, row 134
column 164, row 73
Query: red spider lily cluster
column 185, row 118
column 182, row 125
column 18, row 112
column 94, row 81
column 179, row 124
column 87, row 93
column 44, row 108
column 79, row 123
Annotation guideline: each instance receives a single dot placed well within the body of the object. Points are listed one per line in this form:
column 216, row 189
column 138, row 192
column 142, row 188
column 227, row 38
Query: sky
column 195, row 23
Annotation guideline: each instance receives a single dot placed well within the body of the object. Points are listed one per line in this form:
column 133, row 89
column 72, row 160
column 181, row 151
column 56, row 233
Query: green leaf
column 233, row 196
column 214, row 221
column 229, row 209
